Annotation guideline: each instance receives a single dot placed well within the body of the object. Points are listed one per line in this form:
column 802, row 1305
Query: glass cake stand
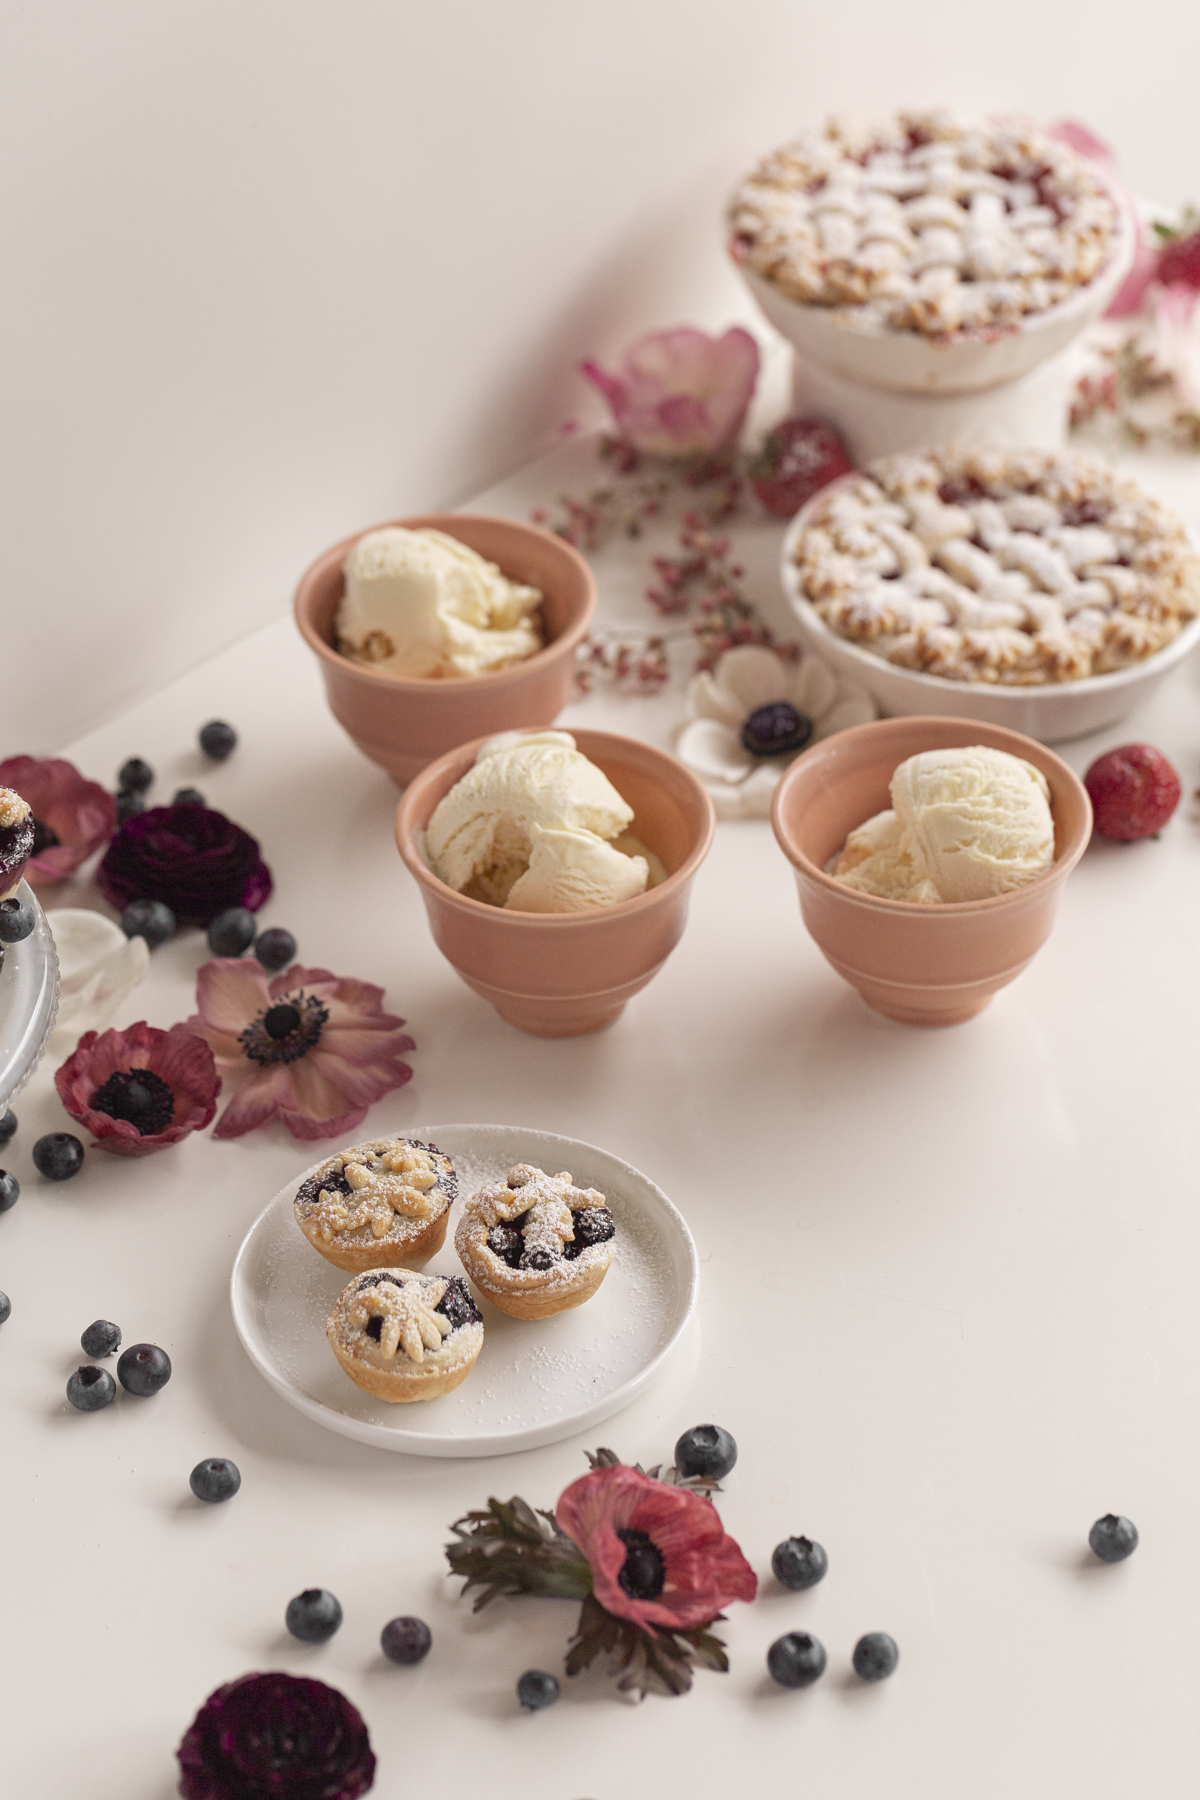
column 28, row 1002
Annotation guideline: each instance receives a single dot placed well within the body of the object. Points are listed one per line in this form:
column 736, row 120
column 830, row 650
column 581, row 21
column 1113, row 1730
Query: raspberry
column 797, row 459
column 1133, row 790
column 1179, row 262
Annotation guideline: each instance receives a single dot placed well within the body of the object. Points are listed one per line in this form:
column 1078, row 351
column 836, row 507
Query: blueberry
column 217, row 740
column 58, row 1156
column 405, row 1640
column 129, row 804
column 706, row 1450
column 101, row 1338
column 796, row 1660
column 90, row 1388
column 5, row 1307
column 537, row 1689
column 8, row 1125
column 275, row 948
column 1113, row 1538
column 313, row 1616
column 17, row 920
column 149, row 919
column 214, row 1479
column 798, row 1563
column 135, row 776
column 188, row 797
column 232, row 931
column 10, row 1190
column 143, row 1369
column 875, row 1656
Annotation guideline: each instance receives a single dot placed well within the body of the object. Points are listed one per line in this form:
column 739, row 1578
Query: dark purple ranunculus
column 276, row 1737
column 195, row 860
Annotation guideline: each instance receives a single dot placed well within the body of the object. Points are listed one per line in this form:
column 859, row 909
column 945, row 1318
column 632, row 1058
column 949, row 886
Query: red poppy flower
column 659, row 1554
column 72, row 817
column 139, row 1089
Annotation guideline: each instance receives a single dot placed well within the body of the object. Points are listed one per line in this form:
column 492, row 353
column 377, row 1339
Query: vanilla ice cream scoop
column 967, row 824
column 422, row 604
column 529, row 827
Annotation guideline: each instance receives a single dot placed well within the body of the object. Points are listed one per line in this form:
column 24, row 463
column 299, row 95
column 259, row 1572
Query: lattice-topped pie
column 536, row 1244
column 403, row 1336
column 378, row 1202
column 1019, row 568
column 926, row 223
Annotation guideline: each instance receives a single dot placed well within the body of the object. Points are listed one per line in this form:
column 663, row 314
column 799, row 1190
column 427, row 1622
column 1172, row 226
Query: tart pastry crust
column 551, row 1255
column 378, row 1204
column 403, row 1336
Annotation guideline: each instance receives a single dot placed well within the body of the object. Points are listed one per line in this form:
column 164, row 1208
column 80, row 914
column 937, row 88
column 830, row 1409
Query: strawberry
column 797, row 459
column 1134, row 790
column 1179, row 262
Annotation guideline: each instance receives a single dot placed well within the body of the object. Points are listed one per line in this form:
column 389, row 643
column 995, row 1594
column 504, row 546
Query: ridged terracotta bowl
column 403, row 725
column 923, row 965
column 565, row 974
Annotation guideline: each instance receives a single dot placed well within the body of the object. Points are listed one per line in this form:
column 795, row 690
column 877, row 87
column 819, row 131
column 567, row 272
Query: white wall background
column 275, row 269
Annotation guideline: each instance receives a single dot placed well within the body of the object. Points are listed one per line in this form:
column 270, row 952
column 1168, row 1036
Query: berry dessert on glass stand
column 28, row 965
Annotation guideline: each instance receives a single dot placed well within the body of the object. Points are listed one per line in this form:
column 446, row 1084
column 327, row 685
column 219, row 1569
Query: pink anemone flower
column 680, row 393
column 659, row 1555
column 316, row 1049
column 72, row 817
column 139, row 1089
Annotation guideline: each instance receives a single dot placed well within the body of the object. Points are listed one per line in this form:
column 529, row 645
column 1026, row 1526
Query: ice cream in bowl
column 555, row 868
column 930, row 855
column 430, row 630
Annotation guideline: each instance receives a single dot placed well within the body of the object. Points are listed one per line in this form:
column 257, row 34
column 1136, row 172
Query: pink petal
column 357, row 1044
column 1081, row 138
column 259, row 1098
column 230, row 993
column 363, row 1083
column 681, row 392
column 227, row 1049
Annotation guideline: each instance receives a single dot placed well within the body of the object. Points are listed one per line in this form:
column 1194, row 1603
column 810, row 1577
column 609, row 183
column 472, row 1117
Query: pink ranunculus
column 72, row 817
column 680, row 393
column 139, row 1089
column 659, row 1555
column 1143, row 270
column 316, row 1049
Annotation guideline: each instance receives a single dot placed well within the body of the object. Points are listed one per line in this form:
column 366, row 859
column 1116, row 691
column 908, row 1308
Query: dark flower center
column 43, row 838
column 776, row 729
column 643, row 1573
column 138, row 1096
column 285, row 1032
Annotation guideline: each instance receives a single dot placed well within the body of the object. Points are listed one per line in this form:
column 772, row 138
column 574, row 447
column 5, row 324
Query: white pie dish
column 535, row 1382
column 1051, row 714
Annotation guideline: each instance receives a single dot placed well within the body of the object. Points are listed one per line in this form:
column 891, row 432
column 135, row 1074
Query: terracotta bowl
column 564, row 974
column 404, row 725
column 923, row 965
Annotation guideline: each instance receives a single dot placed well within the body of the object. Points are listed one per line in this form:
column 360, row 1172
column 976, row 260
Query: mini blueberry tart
column 403, row 1336
column 375, row 1203
column 537, row 1244
column 16, row 839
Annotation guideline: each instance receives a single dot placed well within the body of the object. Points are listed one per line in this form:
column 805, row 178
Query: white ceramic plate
column 535, row 1381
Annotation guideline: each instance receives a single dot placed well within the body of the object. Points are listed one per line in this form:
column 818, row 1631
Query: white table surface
column 947, row 1309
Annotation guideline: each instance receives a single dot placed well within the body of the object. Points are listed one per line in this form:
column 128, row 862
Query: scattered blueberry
column 188, row 797
column 8, row 1125
column 135, row 776
column 232, row 931
column 143, row 1369
column 313, row 1616
column 101, row 1338
column 1113, row 1538
column 405, row 1640
column 796, row 1660
column 875, row 1656
column 275, row 948
column 537, row 1689
column 58, row 1156
column 5, row 1307
column 798, row 1563
column 214, row 1479
column 17, row 920
column 149, row 919
column 10, row 1190
column 129, row 803
column 776, row 729
column 706, row 1450
column 90, row 1388
column 217, row 740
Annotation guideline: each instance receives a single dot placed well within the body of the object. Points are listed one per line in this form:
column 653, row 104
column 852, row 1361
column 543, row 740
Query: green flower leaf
column 509, row 1548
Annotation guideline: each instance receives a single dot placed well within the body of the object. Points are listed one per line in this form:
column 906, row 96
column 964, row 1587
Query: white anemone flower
column 97, row 965
column 720, row 703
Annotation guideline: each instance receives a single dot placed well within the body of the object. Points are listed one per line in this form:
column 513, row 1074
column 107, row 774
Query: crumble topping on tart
column 375, row 1190
column 1015, row 568
column 13, row 810
column 926, row 223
